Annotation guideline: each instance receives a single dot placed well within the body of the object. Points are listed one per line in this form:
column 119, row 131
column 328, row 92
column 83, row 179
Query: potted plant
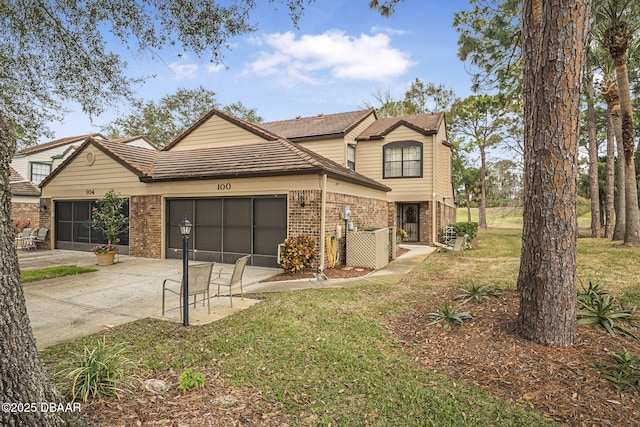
column 107, row 218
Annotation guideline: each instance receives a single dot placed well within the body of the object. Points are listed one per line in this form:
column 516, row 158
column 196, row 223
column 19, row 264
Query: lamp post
column 185, row 230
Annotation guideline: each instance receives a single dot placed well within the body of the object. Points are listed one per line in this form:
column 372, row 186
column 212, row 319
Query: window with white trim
column 39, row 171
column 351, row 157
column 402, row 160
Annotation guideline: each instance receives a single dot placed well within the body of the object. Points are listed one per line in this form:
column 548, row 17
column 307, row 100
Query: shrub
column 604, row 310
column 297, row 253
column 446, row 314
column 99, row 370
column 462, row 228
column 478, row 293
column 625, row 373
column 190, row 379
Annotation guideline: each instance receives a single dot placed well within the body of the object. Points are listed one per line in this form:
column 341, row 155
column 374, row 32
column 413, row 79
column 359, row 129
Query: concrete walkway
column 70, row 307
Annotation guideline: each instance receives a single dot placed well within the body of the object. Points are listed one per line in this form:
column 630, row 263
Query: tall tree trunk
column 482, row 206
column 610, row 179
column 593, row 159
column 609, row 91
column 468, row 207
column 617, row 38
column 22, row 375
column 553, row 52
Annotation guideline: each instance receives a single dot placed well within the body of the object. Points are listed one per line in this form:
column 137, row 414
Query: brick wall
column 25, row 212
column 366, row 213
column 44, row 219
column 145, row 226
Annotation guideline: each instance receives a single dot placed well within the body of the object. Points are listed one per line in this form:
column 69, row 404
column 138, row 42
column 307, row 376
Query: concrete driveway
column 69, row 307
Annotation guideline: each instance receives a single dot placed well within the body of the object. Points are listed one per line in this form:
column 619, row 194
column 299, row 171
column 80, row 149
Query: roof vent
column 298, row 117
column 320, row 116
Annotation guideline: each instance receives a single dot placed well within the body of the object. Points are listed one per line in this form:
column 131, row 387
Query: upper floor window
column 402, row 160
column 39, row 171
column 351, row 157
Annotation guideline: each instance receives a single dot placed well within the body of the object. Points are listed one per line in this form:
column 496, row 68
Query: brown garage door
column 224, row 229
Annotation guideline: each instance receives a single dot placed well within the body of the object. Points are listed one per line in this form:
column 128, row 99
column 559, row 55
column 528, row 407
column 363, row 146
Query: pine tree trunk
column 23, row 379
column 610, row 179
column 554, row 41
column 593, row 161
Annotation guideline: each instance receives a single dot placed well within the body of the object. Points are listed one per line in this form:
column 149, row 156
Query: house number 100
column 226, row 186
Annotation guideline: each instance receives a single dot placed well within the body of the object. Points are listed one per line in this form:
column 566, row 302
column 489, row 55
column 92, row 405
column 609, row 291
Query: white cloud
column 333, row 54
column 182, row 71
column 214, row 68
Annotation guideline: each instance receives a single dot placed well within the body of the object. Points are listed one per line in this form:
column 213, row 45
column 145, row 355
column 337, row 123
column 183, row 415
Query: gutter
column 323, row 216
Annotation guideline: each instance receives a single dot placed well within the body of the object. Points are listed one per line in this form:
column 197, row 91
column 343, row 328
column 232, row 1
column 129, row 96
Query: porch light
column 185, row 227
column 301, row 201
column 185, row 230
column 42, row 207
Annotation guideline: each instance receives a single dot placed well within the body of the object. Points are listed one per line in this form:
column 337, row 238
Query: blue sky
column 339, row 56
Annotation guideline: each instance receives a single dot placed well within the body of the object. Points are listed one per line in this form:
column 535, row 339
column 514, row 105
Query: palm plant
column 619, row 18
column 446, row 315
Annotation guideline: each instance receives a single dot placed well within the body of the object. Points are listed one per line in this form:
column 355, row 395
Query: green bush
column 190, row 379
column 99, row 370
column 462, row 228
column 297, row 253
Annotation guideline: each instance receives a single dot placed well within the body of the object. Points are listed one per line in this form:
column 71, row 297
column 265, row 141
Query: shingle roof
column 137, row 159
column 427, row 124
column 58, row 142
column 272, row 158
column 317, row 126
column 21, row 186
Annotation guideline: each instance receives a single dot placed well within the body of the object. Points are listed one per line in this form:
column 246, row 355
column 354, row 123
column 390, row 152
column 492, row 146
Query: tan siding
column 216, row 132
column 331, row 148
column 369, row 158
column 81, row 180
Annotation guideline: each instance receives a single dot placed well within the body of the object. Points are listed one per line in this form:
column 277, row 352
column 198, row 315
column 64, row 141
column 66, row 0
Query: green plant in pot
column 107, row 218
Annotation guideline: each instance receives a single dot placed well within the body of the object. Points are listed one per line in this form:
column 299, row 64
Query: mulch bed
column 487, row 353
column 215, row 405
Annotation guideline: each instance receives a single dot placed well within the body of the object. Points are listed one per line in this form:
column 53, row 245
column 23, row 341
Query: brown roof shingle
column 317, row 126
column 21, row 186
column 270, row 158
column 427, row 124
column 57, row 143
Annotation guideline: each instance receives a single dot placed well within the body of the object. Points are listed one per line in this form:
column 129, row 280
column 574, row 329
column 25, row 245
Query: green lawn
column 327, row 354
column 51, row 272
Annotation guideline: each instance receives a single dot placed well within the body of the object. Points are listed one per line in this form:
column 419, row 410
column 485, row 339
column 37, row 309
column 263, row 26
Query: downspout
column 323, row 216
column 433, row 195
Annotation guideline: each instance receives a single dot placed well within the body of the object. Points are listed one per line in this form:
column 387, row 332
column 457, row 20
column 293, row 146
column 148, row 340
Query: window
column 39, row 171
column 402, row 160
column 351, row 157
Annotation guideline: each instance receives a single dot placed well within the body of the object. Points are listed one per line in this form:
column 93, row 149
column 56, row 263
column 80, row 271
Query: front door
column 409, row 220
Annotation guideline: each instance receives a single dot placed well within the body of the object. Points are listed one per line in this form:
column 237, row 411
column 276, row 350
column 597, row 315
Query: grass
column 327, row 357
column 51, row 272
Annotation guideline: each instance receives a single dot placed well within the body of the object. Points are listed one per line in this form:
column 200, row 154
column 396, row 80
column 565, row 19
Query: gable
column 90, row 172
column 218, row 129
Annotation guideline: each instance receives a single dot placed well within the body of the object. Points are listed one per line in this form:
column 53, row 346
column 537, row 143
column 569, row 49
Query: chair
column 21, row 239
column 234, row 278
column 199, row 279
column 40, row 237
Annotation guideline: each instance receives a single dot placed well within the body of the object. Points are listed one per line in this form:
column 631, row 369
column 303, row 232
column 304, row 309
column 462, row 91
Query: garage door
column 73, row 227
column 224, row 229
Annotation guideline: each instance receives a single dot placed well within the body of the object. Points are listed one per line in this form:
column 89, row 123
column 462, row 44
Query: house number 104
column 225, row 186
